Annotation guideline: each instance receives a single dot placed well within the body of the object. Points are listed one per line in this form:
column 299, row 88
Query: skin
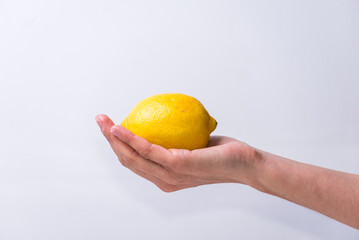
column 227, row 160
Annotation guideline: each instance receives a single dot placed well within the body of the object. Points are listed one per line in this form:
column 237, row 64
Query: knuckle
column 128, row 162
column 121, row 160
column 131, row 139
column 174, row 162
column 172, row 181
column 146, row 152
column 168, row 189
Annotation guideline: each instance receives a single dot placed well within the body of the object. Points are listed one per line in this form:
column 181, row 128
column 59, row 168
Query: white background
column 282, row 76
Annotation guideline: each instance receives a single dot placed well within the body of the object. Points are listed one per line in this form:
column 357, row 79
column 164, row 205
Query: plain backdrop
column 282, row 76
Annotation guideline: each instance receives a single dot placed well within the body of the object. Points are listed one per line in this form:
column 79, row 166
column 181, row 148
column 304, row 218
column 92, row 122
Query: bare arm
column 332, row 193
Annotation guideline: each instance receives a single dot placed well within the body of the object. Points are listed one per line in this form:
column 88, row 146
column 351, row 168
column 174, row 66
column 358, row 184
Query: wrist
column 271, row 172
column 252, row 167
column 259, row 166
column 262, row 166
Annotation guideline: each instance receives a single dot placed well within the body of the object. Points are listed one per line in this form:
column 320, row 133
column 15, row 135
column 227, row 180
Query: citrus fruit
column 172, row 120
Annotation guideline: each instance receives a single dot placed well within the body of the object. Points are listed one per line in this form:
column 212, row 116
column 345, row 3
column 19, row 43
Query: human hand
column 224, row 160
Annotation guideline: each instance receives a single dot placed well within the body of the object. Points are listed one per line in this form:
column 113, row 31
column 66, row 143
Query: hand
column 229, row 160
column 224, row 160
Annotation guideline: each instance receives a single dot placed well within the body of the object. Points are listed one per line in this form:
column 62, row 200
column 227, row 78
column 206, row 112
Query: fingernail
column 99, row 123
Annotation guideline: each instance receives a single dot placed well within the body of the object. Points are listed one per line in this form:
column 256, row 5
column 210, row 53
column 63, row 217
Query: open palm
column 175, row 169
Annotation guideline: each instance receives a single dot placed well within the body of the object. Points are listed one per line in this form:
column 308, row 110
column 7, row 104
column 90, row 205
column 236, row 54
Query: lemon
column 172, row 120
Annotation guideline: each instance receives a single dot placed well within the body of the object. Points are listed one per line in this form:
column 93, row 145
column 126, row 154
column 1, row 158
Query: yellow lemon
column 172, row 120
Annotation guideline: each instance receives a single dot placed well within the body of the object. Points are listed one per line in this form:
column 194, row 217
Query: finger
column 164, row 186
column 158, row 182
column 132, row 160
column 146, row 149
column 105, row 123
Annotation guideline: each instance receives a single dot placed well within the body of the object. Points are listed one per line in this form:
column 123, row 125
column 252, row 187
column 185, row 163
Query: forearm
column 332, row 193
